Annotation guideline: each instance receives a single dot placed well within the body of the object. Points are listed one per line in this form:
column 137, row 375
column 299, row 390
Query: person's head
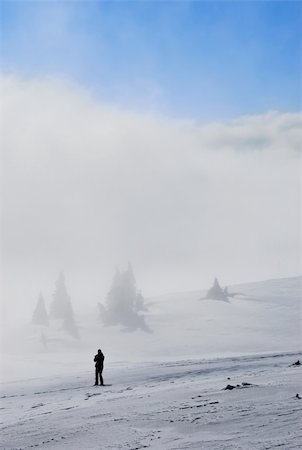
column 99, row 350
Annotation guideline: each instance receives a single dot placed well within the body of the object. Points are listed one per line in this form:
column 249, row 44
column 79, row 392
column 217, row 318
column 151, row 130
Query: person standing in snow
column 99, row 365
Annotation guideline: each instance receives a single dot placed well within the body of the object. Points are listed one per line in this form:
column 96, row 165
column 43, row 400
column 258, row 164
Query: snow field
column 176, row 405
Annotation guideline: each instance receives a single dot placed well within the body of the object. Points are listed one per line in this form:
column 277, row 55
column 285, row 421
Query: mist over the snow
column 88, row 186
column 151, row 232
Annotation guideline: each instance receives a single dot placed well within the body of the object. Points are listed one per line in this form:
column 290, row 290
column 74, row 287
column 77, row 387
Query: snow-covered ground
column 176, row 405
column 267, row 318
column 165, row 388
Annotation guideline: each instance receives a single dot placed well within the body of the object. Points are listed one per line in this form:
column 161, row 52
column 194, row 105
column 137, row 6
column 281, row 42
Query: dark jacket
column 99, row 360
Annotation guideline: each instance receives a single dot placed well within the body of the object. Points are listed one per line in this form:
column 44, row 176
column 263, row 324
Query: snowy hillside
column 165, row 406
column 266, row 318
column 165, row 389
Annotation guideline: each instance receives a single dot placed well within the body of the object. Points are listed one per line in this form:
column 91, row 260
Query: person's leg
column 96, row 377
column 101, row 376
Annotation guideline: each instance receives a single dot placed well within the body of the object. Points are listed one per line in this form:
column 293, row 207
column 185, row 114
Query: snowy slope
column 267, row 318
column 180, row 405
column 165, row 390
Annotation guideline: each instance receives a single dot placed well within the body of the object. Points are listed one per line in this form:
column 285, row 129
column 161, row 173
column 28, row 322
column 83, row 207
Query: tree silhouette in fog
column 217, row 293
column 40, row 316
column 61, row 307
column 124, row 302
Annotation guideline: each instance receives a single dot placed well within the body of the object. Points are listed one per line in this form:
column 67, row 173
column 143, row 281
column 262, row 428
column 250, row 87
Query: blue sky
column 195, row 60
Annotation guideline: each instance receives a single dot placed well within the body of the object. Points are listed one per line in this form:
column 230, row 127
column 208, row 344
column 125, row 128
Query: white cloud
column 88, row 185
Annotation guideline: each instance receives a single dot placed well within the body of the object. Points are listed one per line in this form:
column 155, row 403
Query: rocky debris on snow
column 297, row 363
column 230, row 387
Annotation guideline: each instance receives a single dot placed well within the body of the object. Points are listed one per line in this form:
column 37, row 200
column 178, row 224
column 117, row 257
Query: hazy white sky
column 100, row 167
column 89, row 186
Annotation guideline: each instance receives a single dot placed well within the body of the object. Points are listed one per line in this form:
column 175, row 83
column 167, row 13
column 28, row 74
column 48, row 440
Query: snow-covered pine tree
column 123, row 302
column 216, row 292
column 61, row 307
column 70, row 326
column 40, row 316
column 140, row 302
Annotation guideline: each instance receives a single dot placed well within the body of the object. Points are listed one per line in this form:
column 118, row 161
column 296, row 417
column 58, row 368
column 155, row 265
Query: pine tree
column 216, row 292
column 61, row 307
column 40, row 316
column 140, row 302
column 123, row 302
